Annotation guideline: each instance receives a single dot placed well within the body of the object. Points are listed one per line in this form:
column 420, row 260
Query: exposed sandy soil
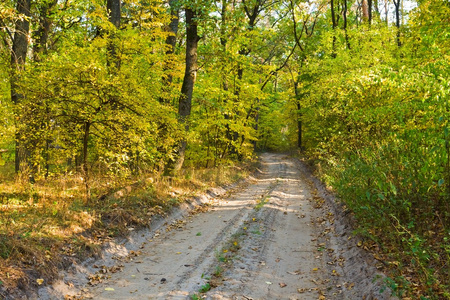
column 278, row 236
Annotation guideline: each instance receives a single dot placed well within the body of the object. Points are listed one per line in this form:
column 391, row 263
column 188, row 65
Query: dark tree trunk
column 171, row 42
column 42, row 33
column 185, row 101
column 114, row 12
column 85, row 168
column 224, row 41
column 347, row 41
column 299, row 116
column 334, row 23
column 18, row 58
column 40, row 49
column 397, row 19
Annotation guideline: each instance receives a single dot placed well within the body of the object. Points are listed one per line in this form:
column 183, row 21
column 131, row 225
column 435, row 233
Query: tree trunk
column 40, row 49
column 334, row 23
column 347, row 41
column 224, row 41
column 87, row 127
column 185, row 101
column 114, row 12
column 299, row 115
column 397, row 19
column 365, row 11
column 18, row 58
column 171, row 42
column 42, row 33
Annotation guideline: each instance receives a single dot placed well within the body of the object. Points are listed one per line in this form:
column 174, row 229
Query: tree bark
column 18, row 58
column 397, row 19
column 87, row 127
column 171, row 42
column 365, row 11
column 299, row 116
column 347, row 41
column 114, row 13
column 334, row 23
column 187, row 89
column 42, row 33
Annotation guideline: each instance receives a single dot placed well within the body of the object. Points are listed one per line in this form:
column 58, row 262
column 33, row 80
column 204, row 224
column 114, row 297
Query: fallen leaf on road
column 268, row 282
column 109, row 289
column 301, row 290
column 282, row 284
column 40, row 281
column 294, row 273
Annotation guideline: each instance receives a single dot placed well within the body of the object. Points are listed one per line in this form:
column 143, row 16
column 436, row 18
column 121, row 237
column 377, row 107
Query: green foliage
column 376, row 118
column 204, row 288
column 373, row 114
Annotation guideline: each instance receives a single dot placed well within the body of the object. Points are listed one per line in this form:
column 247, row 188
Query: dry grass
column 46, row 225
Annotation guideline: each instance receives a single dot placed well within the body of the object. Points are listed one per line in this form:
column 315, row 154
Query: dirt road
column 273, row 238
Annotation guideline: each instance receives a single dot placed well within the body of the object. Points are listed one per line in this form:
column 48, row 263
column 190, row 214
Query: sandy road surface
column 271, row 239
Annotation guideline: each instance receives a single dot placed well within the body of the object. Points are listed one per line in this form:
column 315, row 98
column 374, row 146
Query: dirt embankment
column 279, row 236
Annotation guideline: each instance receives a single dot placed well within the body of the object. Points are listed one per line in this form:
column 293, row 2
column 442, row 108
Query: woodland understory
column 170, row 97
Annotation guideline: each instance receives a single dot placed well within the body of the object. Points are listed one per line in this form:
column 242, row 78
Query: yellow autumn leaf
column 40, row 281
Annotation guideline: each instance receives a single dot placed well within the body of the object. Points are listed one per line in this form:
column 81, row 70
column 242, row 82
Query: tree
column 190, row 74
column 18, row 58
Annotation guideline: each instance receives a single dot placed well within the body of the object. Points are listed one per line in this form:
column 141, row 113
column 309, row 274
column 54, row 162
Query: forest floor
column 277, row 235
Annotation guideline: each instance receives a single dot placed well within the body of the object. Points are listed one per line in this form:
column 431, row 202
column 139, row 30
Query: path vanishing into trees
column 274, row 237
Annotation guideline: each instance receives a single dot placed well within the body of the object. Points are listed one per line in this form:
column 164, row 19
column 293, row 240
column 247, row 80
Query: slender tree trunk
column 185, row 101
column 334, row 23
column 42, row 33
column 171, row 42
column 114, row 13
column 365, row 11
column 397, row 5
column 299, row 116
column 40, row 49
column 224, row 41
column 85, row 168
column 225, row 86
column 347, row 41
column 386, row 11
column 18, row 58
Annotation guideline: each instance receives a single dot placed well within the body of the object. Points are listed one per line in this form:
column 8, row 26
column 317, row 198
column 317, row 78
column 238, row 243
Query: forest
column 96, row 95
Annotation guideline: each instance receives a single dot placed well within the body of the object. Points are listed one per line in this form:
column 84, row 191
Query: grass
column 46, row 224
column 262, row 202
column 396, row 222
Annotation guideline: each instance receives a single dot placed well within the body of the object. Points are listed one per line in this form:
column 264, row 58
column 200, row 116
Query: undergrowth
column 402, row 209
